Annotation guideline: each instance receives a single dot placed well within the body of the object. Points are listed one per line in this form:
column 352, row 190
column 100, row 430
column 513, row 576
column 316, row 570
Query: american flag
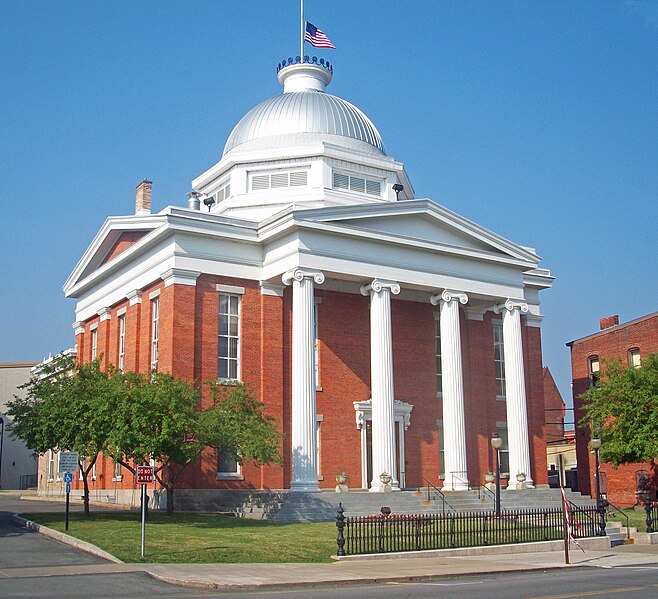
column 316, row 37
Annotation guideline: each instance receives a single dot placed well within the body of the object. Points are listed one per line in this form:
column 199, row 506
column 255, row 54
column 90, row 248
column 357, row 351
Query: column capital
column 378, row 284
column 510, row 305
column 447, row 295
column 299, row 274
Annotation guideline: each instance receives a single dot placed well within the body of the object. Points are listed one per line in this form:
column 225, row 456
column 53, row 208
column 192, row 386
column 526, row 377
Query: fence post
column 340, row 524
column 647, row 509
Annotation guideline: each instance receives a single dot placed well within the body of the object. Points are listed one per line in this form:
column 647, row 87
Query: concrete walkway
column 390, row 568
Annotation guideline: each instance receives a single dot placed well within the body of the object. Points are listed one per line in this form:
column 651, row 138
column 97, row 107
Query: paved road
column 32, row 565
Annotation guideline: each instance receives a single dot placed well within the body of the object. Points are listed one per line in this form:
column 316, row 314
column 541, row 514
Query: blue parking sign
column 68, row 477
column 68, row 488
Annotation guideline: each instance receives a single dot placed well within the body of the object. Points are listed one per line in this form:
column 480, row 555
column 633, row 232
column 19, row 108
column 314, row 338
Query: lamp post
column 600, row 507
column 2, row 438
column 497, row 443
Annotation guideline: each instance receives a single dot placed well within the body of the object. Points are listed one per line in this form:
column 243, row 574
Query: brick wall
column 613, row 342
column 188, row 348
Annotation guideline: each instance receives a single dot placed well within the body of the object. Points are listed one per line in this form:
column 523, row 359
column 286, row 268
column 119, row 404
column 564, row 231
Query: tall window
column 122, row 342
column 117, row 471
column 594, row 371
column 316, row 337
column 318, row 433
column 504, row 451
column 94, row 343
column 634, row 357
column 52, row 464
column 229, row 336
column 442, row 450
column 437, row 351
column 499, row 360
column 155, row 317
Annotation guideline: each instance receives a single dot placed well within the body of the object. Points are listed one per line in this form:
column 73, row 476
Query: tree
column 158, row 417
column 67, row 406
column 623, row 408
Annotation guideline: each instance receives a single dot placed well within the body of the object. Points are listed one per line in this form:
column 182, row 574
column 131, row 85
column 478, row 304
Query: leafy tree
column 158, row 417
column 67, row 406
column 623, row 407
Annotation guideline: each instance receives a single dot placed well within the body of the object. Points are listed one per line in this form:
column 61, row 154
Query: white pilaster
column 381, row 382
column 304, row 461
column 454, row 428
column 517, row 414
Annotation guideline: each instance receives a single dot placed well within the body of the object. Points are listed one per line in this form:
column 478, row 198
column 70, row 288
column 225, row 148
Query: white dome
column 304, row 108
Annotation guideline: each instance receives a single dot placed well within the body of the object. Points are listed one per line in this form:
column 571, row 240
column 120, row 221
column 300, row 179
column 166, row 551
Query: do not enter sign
column 145, row 475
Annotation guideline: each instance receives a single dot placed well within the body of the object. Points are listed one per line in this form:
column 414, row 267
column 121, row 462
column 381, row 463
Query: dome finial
column 309, row 75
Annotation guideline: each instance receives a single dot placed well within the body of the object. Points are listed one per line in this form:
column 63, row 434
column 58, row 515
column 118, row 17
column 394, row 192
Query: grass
column 198, row 538
column 636, row 518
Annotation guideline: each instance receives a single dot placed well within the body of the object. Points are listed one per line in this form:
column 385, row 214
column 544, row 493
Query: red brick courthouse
column 385, row 332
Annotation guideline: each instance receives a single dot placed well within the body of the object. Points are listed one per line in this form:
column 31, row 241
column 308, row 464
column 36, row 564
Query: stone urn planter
column 520, row 480
column 489, row 481
column 341, row 479
column 385, row 479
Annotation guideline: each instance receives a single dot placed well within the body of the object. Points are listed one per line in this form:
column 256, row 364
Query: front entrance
column 401, row 420
column 399, row 475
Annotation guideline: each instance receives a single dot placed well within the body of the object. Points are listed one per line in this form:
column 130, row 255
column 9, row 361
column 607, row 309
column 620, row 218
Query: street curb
column 64, row 538
column 273, row 586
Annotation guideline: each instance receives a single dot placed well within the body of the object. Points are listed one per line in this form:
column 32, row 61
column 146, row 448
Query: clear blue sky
column 537, row 120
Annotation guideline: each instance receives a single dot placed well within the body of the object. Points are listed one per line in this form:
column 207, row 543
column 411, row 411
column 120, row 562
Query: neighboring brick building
column 385, row 333
column 629, row 342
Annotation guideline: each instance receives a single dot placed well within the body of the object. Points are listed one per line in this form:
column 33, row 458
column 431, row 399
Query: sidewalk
column 269, row 576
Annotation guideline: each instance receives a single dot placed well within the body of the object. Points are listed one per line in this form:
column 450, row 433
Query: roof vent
column 610, row 321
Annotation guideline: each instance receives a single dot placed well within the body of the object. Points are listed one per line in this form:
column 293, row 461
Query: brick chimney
column 143, row 197
column 610, row 321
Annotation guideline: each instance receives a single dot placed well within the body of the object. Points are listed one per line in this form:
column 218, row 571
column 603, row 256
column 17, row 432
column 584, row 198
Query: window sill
column 117, row 479
column 318, row 388
column 501, row 398
column 228, row 476
column 320, row 477
column 439, row 394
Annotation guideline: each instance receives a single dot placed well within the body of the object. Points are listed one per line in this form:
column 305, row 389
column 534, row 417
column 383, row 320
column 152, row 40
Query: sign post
column 144, row 475
column 68, row 464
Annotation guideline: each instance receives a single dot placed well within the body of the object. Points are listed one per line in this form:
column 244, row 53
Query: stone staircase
column 283, row 506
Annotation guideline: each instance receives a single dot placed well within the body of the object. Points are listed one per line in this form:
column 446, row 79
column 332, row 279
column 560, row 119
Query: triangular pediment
column 426, row 223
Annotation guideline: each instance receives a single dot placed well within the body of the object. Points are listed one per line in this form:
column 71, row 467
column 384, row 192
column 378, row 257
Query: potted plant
column 342, row 477
column 489, row 477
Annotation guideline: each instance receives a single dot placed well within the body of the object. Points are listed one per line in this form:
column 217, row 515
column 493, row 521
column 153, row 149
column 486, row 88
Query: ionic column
column 381, row 381
column 454, row 429
column 304, row 462
column 517, row 414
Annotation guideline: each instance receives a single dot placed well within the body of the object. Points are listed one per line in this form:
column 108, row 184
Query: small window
column 227, row 466
column 504, row 452
column 634, row 357
column 594, row 371
column 222, row 193
column 279, row 180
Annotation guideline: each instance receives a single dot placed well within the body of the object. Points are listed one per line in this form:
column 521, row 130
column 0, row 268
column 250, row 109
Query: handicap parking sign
column 68, row 477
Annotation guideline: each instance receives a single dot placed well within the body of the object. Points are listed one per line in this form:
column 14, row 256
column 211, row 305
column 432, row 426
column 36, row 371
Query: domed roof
column 304, row 108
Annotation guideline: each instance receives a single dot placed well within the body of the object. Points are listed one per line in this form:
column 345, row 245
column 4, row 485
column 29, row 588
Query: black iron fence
column 652, row 516
column 415, row 532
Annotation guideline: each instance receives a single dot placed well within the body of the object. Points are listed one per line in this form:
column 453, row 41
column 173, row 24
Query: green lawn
column 198, row 538
column 637, row 518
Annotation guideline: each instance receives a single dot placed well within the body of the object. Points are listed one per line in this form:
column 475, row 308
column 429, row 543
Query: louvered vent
column 279, row 180
column 223, row 193
column 259, row 182
column 358, row 184
column 298, row 179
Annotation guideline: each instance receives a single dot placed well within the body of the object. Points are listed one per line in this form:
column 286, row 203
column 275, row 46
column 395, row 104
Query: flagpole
column 301, row 31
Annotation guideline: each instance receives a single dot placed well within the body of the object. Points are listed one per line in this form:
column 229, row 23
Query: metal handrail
column 486, row 490
column 454, row 476
column 621, row 512
column 443, row 497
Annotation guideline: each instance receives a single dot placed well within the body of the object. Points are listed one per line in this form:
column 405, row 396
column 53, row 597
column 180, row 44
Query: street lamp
column 2, row 438
column 497, row 444
column 600, row 507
